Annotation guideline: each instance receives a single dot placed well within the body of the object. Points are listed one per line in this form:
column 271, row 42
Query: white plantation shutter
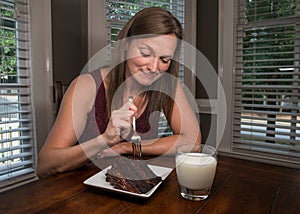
column 17, row 141
column 120, row 11
column 267, row 89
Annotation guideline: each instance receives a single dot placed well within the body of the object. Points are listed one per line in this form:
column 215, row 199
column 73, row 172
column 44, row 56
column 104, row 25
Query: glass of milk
column 195, row 169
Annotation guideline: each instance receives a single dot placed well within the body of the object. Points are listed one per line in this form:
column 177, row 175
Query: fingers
column 123, row 125
column 119, row 117
column 126, row 112
column 120, row 124
column 129, row 106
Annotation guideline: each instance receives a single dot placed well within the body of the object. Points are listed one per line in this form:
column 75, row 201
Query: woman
column 95, row 109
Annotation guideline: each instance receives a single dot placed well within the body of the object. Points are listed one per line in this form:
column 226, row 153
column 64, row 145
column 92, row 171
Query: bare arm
column 60, row 151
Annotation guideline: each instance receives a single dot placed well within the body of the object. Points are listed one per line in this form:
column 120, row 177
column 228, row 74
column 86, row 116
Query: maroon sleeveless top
column 96, row 120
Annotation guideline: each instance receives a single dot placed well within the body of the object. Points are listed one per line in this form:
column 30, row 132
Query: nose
column 153, row 64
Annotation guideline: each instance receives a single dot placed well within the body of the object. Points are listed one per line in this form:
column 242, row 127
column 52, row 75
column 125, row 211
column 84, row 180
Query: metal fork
column 135, row 139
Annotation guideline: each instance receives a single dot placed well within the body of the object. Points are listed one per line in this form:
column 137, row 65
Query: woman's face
column 149, row 58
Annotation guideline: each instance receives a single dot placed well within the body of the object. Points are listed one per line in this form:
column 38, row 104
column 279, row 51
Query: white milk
column 195, row 170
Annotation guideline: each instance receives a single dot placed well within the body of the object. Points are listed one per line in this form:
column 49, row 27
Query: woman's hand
column 119, row 125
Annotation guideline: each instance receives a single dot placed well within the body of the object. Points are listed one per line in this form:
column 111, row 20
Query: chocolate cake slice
column 131, row 175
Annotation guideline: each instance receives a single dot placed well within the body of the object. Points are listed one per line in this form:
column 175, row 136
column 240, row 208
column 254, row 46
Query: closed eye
column 165, row 60
column 144, row 53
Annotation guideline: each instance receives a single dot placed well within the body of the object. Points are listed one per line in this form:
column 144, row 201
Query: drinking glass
column 195, row 169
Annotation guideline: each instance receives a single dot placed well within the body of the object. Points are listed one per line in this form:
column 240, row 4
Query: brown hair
column 149, row 21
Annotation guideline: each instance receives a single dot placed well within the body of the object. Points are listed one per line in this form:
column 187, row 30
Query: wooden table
column 240, row 187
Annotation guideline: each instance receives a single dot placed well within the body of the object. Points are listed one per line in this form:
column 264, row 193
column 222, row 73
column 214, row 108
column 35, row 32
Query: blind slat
column 273, row 87
column 14, row 148
column 265, row 128
column 262, row 149
column 14, row 167
column 5, row 131
column 284, row 145
column 18, row 156
column 238, row 120
column 19, row 177
column 21, row 138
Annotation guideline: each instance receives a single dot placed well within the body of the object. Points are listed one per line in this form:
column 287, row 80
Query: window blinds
column 17, row 151
column 267, row 89
column 119, row 12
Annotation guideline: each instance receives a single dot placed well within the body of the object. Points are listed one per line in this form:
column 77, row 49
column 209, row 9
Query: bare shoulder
column 83, row 91
column 84, row 81
column 84, row 86
column 88, row 79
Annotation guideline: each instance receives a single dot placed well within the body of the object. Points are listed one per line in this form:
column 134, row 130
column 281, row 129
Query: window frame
column 227, row 47
column 21, row 158
column 41, row 55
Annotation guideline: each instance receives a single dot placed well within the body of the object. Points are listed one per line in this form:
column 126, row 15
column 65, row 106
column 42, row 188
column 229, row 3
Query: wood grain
column 239, row 187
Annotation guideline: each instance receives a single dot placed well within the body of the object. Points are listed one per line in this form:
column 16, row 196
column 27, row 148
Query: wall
column 207, row 44
column 69, row 34
column 59, row 43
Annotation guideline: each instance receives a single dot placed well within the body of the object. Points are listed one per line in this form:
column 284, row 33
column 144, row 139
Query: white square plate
column 98, row 180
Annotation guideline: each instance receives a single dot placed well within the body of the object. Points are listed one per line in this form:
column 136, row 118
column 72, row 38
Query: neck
column 132, row 87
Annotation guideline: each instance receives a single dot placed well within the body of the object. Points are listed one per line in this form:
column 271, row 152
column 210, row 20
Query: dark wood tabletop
column 240, row 186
